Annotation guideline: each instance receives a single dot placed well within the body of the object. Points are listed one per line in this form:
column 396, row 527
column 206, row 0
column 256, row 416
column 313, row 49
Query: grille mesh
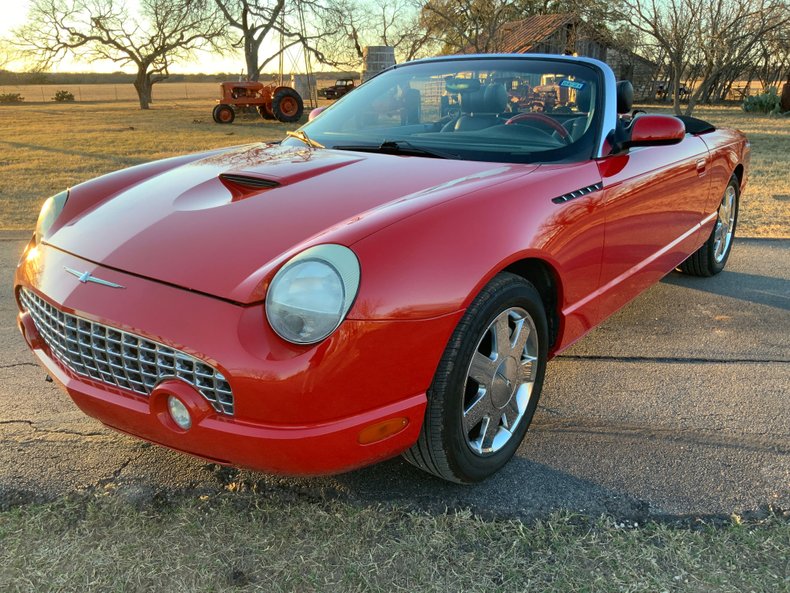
column 120, row 358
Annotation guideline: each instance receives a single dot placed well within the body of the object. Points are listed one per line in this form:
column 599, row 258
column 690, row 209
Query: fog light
column 179, row 412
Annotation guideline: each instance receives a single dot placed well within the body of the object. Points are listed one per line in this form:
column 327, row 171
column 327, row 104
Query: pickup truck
column 340, row 88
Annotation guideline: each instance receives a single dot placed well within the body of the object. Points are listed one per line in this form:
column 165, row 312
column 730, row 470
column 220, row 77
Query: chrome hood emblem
column 86, row 277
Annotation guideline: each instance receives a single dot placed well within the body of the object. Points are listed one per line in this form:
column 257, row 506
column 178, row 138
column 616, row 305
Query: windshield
column 492, row 109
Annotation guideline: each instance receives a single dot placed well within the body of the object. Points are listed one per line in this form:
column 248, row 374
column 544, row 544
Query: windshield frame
column 601, row 121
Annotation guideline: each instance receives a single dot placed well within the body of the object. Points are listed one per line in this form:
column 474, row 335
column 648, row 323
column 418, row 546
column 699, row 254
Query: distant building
column 551, row 34
column 569, row 34
column 640, row 71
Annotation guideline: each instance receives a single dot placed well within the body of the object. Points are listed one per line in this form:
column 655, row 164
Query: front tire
column 711, row 258
column 224, row 114
column 486, row 388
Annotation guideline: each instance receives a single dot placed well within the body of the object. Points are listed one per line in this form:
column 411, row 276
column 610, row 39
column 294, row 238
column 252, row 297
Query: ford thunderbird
column 391, row 278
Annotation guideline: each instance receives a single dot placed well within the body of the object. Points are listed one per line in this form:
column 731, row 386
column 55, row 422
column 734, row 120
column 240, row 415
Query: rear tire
column 486, row 388
column 287, row 105
column 224, row 114
column 711, row 258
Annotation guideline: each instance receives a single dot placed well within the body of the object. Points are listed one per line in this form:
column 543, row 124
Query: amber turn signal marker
column 381, row 430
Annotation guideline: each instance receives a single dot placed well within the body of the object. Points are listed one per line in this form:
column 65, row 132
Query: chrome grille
column 120, row 358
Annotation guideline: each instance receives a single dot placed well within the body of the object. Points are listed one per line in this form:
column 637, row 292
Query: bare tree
column 463, row 26
column 468, row 26
column 395, row 23
column 305, row 23
column 5, row 54
column 729, row 35
column 161, row 32
column 668, row 23
column 708, row 43
column 773, row 63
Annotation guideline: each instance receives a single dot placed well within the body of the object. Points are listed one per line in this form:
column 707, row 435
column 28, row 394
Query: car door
column 654, row 201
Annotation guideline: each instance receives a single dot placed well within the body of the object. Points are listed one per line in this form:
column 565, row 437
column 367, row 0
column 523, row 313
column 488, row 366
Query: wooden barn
column 551, row 34
column 570, row 35
column 640, row 71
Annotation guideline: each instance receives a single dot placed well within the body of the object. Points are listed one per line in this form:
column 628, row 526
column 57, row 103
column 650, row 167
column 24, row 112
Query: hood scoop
column 243, row 185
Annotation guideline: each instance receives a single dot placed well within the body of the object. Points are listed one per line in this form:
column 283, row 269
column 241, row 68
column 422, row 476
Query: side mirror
column 655, row 130
column 315, row 113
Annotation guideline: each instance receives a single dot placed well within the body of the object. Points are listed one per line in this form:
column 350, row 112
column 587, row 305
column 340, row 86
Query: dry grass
column 254, row 543
column 46, row 147
column 171, row 91
column 765, row 210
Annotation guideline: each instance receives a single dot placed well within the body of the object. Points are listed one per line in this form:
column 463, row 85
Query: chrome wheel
column 500, row 381
column 725, row 224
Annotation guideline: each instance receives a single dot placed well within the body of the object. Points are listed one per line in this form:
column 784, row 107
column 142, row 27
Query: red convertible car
column 390, row 279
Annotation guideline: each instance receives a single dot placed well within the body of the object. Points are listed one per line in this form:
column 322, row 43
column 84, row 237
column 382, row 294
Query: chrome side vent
column 578, row 193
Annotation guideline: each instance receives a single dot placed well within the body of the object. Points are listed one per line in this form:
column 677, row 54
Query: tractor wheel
column 224, row 114
column 214, row 114
column 287, row 105
column 265, row 113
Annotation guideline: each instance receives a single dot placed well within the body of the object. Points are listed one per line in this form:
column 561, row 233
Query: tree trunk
column 676, row 89
column 251, row 48
column 143, row 86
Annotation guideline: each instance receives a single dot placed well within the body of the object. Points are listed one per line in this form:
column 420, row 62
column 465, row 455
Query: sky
column 14, row 14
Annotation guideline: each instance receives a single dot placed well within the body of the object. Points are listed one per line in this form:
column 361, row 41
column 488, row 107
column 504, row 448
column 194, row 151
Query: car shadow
column 753, row 288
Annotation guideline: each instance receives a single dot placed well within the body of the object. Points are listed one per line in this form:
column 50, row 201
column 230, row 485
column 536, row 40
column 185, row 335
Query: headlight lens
column 311, row 294
column 49, row 213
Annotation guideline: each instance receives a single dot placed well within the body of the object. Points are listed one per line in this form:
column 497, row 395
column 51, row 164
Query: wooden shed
column 640, row 71
column 551, row 34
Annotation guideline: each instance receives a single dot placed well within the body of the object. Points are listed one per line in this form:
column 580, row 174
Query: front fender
column 435, row 262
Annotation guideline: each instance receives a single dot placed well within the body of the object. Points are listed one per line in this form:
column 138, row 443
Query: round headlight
column 49, row 213
column 311, row 294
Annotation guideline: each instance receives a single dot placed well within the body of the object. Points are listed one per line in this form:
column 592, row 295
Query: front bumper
column 297, row 410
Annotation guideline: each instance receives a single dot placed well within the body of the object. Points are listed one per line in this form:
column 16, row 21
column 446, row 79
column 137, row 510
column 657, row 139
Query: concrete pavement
column 677, row 405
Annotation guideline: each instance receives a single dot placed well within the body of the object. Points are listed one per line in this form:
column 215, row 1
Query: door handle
column 701, row 166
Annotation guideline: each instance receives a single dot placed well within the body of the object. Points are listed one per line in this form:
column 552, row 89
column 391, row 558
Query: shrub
column 767, row 102
column 62, row 96
column 11, row 98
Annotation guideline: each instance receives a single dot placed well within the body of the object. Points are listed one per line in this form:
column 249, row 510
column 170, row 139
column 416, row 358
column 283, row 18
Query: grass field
column 259, row 541
column 43, row 93
column 46, row 147
column 247, row 542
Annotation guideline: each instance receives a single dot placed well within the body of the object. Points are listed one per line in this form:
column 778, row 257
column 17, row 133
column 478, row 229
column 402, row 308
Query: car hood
column 220, row 224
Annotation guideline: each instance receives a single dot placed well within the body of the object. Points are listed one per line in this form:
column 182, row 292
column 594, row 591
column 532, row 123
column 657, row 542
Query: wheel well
column 544, row 279
column 739, row 174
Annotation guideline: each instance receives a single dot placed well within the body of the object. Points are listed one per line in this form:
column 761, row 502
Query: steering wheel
column 556, row 126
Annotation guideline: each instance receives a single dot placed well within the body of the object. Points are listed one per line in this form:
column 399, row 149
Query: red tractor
column 273, row 102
